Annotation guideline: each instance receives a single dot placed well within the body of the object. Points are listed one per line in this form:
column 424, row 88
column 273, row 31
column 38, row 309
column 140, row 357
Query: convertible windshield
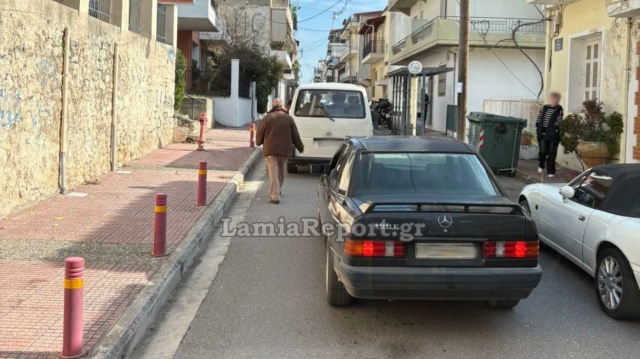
column 330, row 103
column 423, row 173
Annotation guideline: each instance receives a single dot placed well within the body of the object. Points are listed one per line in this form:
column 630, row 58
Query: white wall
column 225, row 113
column 487, row 78
column 244, row 111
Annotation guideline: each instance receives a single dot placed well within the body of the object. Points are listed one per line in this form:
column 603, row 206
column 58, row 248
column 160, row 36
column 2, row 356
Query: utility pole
column 463, row 62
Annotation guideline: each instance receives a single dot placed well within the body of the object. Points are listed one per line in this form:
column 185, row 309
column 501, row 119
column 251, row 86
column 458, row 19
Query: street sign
column 415, row 67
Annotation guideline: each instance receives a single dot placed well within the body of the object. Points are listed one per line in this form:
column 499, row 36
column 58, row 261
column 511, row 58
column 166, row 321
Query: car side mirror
column 333, row 174
column 567, row 192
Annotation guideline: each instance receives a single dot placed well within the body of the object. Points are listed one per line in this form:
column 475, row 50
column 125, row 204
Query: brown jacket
column 278, row 133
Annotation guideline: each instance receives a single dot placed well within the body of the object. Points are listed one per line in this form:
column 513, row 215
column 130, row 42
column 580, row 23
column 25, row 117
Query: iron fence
column 373, row 46
column 135, row 13
column 100, row 9
column 161, row 27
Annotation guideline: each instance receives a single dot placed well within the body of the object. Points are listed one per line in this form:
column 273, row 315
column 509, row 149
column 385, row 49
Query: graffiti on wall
column 10, row 112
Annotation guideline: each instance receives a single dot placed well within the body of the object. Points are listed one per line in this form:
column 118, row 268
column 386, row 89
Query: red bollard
column 73, row 308
column 160, row 227
column 252, row 133
column 202, row 184
column 203, row 124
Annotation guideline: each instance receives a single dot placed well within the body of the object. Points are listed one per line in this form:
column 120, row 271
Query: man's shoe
column 275, row 201
column 540, row 169
column 551, row 176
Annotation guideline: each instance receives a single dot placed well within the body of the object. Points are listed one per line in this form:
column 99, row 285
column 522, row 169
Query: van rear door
column 326, row 116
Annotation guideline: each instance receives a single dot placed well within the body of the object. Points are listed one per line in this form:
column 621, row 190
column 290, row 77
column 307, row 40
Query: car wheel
column 337, row 295
column 504, row 303
column 616, row 286
column 292, row 168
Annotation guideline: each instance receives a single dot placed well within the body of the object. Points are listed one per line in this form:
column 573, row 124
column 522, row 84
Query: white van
column 325, row 114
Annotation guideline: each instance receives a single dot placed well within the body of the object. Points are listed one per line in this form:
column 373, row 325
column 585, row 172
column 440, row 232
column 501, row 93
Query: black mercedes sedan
column 422, row 218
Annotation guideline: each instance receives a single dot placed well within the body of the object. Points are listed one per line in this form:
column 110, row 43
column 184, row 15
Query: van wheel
column 292, row 168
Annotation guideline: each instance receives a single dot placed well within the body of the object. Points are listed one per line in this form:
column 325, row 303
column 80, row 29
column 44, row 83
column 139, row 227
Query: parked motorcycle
column 383, row 109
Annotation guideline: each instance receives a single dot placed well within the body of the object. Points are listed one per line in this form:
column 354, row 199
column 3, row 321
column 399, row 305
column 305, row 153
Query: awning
column 426, row 71
column 176, row 2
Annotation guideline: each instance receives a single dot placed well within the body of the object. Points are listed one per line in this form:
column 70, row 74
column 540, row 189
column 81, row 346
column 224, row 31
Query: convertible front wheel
column 616, row 286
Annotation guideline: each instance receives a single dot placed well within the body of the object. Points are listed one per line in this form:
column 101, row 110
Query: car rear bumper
column 431, row 283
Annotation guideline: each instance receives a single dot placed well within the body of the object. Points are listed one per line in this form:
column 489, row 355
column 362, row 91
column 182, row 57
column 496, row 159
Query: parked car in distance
column 594, row 221
column 437, row 225
column 325, row 114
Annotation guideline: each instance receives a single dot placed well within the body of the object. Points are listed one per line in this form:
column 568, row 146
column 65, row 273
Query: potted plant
column 278, row 45
column 592, row 134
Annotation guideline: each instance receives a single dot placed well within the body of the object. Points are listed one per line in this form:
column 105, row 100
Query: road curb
column 129, row 330
column 526, row 178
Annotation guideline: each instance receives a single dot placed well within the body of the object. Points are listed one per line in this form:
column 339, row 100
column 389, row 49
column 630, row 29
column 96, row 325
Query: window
column 442, row 84
column 330, row 103
column 423, row 173
column 592, row 66
column 345, row 175
column 591, row 189
column 585, row 58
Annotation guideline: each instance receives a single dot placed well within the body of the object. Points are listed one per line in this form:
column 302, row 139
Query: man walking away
column 548, row 133
column 278, row 133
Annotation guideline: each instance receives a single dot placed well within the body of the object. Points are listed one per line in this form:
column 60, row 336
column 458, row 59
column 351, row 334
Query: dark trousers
column 547, row 155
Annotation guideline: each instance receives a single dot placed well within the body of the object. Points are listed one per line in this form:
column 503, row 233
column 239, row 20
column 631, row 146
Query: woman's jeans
column 547, row 155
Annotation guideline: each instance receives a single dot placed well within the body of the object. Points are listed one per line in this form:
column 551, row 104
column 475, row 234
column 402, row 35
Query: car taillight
column 510, row 249
column 372, row 249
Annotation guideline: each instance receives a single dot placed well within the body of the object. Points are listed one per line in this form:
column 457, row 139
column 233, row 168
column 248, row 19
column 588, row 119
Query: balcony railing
column 373, row 46
column 100, row 9
column 135, row 12
column 478, row 25
column 161, row 26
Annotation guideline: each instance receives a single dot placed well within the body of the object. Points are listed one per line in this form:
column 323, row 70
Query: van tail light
column 511, row 249
column 374, row 249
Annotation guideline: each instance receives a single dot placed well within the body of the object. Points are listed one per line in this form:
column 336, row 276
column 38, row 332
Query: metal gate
column 401, row 101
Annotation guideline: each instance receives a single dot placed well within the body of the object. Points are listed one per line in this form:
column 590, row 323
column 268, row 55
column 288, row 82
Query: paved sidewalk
column 527, row 172
column 112, row 228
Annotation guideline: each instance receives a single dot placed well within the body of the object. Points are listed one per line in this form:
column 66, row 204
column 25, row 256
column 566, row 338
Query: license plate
column 446, row 251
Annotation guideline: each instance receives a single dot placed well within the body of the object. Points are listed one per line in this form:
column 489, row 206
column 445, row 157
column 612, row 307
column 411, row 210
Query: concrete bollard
column 73, row 309
column 160, row 226
column 202, row 184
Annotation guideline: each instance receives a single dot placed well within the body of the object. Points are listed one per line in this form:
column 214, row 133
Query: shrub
column 181, row 84
column 591, row 124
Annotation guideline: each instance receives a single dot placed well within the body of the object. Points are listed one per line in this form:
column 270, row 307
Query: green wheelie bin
column 497, row 139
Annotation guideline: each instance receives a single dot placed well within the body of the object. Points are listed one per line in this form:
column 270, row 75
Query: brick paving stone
column 112, row 228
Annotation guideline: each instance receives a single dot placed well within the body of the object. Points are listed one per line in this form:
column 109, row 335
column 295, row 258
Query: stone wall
column 31, row 74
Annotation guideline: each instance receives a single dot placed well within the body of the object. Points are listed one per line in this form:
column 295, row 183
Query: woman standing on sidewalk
column 548, row 133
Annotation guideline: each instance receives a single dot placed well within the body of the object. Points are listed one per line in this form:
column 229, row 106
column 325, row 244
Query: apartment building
column 350, row 68
column 200, row 16
column 593, row 53
column 433, row 39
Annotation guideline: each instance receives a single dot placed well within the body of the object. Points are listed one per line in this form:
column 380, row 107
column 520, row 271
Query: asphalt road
column 264, row 298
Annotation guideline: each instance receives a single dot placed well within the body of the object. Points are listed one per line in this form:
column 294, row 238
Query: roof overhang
column 375, row 23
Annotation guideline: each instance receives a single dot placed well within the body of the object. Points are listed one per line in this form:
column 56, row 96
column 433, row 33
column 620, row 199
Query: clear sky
column 315, row 19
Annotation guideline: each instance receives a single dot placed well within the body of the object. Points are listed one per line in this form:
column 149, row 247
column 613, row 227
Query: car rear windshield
column 330, row 103
column 423, row 173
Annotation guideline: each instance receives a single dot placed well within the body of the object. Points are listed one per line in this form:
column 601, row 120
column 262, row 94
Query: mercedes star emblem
column 445, row 221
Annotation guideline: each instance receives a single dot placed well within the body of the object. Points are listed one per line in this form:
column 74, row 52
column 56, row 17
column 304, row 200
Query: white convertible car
column 594, row 221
